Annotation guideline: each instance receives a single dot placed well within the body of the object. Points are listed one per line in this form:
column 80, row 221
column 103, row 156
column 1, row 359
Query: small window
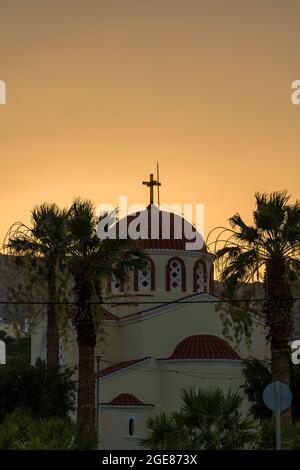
column 200, row 277
column 131, row 427
column 115, row 285
column 145, row 278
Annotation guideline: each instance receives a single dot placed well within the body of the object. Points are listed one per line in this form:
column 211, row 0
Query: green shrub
column 20, row 431
column 290, row 435
column 43, row 390
column 257, row 374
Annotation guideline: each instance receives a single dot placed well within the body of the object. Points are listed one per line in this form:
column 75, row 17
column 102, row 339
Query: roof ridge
column 126, row 399
column 114, row 368
column 163, row 304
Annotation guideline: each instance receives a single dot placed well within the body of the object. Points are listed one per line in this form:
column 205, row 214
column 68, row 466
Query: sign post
column 277, row 397
column 2, row 352
column 278, row 415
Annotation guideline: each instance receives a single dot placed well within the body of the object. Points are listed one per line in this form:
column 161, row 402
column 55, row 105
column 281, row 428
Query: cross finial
column 150, row 184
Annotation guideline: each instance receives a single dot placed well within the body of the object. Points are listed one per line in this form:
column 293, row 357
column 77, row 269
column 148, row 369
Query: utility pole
column 2, row 352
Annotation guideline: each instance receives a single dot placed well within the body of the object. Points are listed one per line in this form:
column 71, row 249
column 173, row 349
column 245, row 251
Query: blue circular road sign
column 284, row 394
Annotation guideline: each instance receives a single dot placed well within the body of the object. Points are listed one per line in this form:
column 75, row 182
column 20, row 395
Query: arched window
column 115, row 284
column 131, row 427
column 145, row 279
column 200, row 277
column 175, row 275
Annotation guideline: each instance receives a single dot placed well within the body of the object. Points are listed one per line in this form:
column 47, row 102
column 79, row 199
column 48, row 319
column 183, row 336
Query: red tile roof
column 119, row 366
column 126, row 399
column 204, row 347
column 111, row 316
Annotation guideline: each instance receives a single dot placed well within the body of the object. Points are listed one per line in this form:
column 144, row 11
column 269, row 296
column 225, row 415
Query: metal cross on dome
column 150, row 184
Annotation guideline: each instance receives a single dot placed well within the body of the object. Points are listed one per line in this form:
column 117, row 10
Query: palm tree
column 91, row 263
column 165, row 433
column 208, row 419
column 269, row 248
column 44, row 244
column 214, row 420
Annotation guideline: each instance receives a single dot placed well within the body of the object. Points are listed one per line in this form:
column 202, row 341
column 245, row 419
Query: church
column 163, row 334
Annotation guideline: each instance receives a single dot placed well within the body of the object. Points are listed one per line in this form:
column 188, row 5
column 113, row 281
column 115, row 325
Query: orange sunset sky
column 98, row 90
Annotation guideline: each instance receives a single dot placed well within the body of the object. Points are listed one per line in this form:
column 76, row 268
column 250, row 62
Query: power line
column 188, row 373
column 134, row 303
column 193, row 374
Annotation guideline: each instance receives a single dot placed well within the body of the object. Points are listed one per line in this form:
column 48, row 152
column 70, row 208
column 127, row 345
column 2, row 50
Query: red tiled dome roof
column 204, row 347
column 126, row 399
column 166, row 230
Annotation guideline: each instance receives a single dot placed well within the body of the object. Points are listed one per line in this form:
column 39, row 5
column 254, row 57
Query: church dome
column 203, row 347
column 159, row 229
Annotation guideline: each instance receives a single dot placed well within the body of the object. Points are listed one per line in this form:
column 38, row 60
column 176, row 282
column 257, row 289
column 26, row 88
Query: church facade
column 163, row 334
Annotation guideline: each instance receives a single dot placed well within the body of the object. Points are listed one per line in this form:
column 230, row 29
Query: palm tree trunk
column 86, row 339
column 278, row 312
column 52, row 328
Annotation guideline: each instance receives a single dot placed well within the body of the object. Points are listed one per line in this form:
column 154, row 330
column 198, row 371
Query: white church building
column 165, row 336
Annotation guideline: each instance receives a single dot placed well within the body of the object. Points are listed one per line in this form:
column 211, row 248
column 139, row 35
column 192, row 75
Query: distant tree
column 44, row 390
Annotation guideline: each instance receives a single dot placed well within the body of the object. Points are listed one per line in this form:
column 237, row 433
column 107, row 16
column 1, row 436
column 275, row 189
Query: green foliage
column 290, row 435
column 257, row 376
column 234, row 314
column 208, row 419
column 44, row 390
column 20, row 431
column 266, row 437
column 166, row 433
